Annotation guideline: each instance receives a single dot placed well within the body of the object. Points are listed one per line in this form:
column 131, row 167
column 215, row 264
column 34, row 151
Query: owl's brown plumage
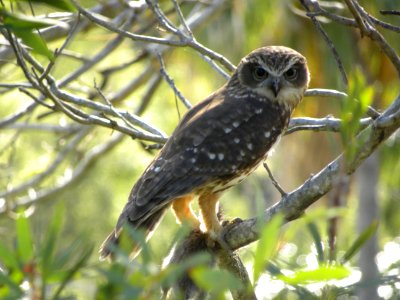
column 218, row 142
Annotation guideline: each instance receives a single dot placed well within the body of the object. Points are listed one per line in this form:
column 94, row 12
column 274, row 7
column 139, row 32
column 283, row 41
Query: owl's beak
column 275, row 85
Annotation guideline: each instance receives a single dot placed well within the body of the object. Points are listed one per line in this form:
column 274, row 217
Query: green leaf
column 266, row 245
column 24, row 238
column 50, row 241
column 173, row 272
column 14, row 21
column 64, row 5
column 8, row 258
column 24, row 27
column 84, row 256
column 323, row 273
column 317, row 240
column 15, row 290
column 360, row 241
column 360, row 96
column 131, row 238
column 214, row 281
column 34, row 41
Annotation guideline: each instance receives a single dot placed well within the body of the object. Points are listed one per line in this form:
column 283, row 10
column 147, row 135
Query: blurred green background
column 93, row 202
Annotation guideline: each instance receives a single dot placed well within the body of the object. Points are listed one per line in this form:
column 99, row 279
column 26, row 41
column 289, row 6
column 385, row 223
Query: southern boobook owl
column 217, row 143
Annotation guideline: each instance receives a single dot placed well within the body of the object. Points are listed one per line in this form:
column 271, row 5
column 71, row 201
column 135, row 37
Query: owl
column 217, row 144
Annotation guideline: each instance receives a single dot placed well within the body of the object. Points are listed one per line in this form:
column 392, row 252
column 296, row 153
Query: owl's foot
column 217, row 238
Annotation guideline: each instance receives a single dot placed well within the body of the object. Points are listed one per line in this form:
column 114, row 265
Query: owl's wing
column 184, row 164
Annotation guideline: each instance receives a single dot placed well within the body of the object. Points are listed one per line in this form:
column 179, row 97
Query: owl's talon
column 231, row 223
column 225, row 222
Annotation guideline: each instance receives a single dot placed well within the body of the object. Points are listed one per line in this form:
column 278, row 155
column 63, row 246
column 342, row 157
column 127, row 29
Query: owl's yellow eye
column 291, row 74
column 260, row 73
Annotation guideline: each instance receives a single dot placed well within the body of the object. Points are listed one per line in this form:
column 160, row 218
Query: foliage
column 64, row 117
column 38, row 267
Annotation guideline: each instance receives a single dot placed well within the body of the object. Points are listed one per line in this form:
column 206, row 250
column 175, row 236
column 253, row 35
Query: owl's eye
column 260, row 73
column 291, row 74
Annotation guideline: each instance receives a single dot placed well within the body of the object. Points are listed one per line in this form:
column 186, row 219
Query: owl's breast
column 249, row 141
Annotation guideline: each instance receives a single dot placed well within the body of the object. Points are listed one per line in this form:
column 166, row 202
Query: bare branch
column 171, row 83
column 136, row 37
column 274, row 181
column 333, row 93
column 156, row 135
column 328, row 41
column 68, row 129
column 390, row 12
column 324, row 124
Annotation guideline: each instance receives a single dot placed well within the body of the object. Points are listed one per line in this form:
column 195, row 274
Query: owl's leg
column 208, row 203
column 183, row 211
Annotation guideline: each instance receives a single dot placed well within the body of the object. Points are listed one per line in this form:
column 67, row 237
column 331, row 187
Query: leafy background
column 56, row 240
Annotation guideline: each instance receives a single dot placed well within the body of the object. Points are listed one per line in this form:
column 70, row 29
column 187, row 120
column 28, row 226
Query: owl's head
column 275, row 72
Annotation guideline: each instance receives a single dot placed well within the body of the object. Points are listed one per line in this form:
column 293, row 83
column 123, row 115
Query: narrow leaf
column 323, row 273
column 317, row 241
column 24, row 238
column 360, row 241
column 49, row 245
column 8, row 258
column 21, row 22
column 64, row 5
column 214, row 281
column 266, row 245
column 86, row 252
column 34, row 41
column 15, row 288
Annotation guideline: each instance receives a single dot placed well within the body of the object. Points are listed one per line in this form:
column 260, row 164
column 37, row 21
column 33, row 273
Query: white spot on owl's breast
column 250, row 146
column 211, row 155
column 227, row 129
column 236, row 140
column 235, row 124
column 221, row 156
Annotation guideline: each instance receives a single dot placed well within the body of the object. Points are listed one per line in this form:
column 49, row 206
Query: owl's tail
column 148, row 226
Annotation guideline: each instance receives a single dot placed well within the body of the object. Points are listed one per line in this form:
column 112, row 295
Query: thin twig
column 328, row 42
column 324, row 124
column 371, row 112
column 274, row 181
column 390, row 12
column 171, row 83
column 113, row 109
column 182, row 18
column 378, row 38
